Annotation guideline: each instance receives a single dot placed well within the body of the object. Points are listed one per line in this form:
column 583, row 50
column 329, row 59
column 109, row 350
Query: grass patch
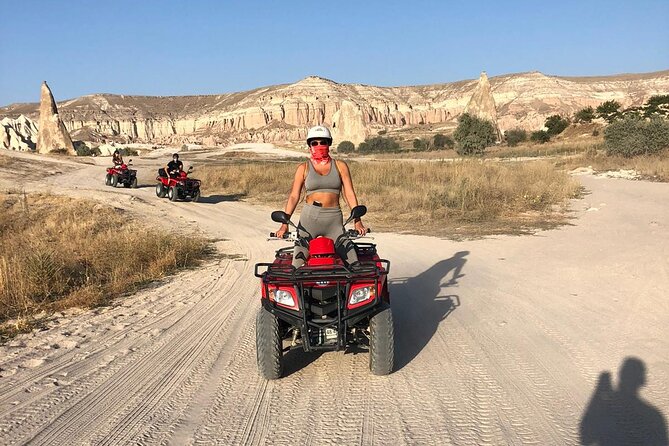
column 649, row 167
column 544, row 150
column 59, row 252
column 458, row 199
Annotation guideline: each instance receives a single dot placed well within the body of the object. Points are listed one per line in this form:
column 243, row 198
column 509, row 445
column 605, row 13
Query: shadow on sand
column 420, row 303
column 213, row 199
column 621, row 417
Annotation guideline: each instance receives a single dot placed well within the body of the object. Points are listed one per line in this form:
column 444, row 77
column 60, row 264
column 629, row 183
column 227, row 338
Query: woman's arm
column 293, row 197
column 349, row 193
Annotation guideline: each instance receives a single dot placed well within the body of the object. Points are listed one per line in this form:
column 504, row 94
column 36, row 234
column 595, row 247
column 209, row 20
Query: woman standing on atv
column 324, row 179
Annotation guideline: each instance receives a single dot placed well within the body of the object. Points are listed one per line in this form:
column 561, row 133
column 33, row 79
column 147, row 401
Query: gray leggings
column 328, row 222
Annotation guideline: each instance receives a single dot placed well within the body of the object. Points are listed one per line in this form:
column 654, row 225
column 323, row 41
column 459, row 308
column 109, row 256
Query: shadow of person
column 214, row 199
column 620, row 417
column 420, row 304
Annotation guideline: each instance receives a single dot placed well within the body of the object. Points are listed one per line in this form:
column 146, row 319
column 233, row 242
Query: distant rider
column 174, row 167
column 117, row 159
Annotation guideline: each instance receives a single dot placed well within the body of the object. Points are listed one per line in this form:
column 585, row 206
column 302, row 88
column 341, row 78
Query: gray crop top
column 316, row 182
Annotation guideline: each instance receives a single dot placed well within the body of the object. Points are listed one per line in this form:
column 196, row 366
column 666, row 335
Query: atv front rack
column 356, row 271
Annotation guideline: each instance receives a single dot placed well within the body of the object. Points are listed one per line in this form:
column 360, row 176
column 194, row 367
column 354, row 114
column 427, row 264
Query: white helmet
column 319, row 132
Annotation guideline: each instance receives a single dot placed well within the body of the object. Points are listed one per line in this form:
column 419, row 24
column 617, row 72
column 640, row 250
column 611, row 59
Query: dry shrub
column 418, row 196
column 59, row 252
column 653, row 167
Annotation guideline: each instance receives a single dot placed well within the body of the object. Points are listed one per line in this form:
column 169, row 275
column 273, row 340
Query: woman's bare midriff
column 326, row 199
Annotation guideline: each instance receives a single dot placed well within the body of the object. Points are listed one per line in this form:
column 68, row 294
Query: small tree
column 586, row 114
column 422, row 144
column 609, row 110
column 657, row 105
column 345, row 147
column 441, row 141
column 473, row 135
column 515, row 136
column 378, row 144
column 540, row 136
column 556, row 125
column 632, row 136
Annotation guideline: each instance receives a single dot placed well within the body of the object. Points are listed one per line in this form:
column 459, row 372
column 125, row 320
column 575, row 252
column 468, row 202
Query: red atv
column 178, row 186
column 325, row 304
column 121, row 174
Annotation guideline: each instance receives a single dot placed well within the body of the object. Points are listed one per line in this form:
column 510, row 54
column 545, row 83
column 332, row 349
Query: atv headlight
column 361, row 294
column 283, row 297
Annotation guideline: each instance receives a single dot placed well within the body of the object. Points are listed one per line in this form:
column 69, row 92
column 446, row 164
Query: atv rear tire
column 269, row 351
column 172, row 193
column 381, row 342
column 160, row 190
column 133, row 183
column 114, row 180
column 108, row 179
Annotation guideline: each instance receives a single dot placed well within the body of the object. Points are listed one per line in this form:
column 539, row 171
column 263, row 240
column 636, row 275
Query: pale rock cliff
column 18, row 134
column 283, row 113
column 53, row 134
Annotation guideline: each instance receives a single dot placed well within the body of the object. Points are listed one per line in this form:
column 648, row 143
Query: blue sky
column 199, row 47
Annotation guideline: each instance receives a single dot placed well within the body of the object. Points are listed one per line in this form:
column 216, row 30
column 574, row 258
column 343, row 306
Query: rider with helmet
column 174, row 167
column 324, row 180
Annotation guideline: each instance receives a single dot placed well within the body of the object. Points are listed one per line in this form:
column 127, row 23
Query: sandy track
column 507, row 352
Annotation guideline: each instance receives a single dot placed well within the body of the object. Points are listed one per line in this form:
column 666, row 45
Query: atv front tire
column 381, row 342
column 108, row 179
column 269, row 351
column 114, row 180
column 172, row 193
column 160, row 190
column 133, row 183
column 196, row 196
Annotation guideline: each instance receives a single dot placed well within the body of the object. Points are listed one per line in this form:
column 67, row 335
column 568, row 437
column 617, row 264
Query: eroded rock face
column 482, row 103
column 18, row 134
column 53, row 134
column 283, row 113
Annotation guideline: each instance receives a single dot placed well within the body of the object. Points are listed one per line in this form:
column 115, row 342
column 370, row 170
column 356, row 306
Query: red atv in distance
column 121, row 174
column 325, row 304
column 178, row 186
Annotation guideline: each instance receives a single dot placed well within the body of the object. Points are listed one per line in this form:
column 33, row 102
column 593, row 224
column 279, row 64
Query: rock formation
column 53, row 134
column 18, row 134
column 282, row 113
column 482, row 103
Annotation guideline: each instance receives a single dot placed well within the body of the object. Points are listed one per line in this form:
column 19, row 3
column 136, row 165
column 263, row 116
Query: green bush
column 556, row 125
column 440, row 141
column 540, row 136
column 422, row 144
column 378, row 144
column 345, row 147
column 632, row 136
column 657, row 105
column 515, row 136
column 83, row 150
column 586, row 114
column 473, row 135
column 609, row 110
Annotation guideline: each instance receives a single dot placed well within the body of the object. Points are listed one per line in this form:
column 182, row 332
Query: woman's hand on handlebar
column 362, row 230
column 282, row 230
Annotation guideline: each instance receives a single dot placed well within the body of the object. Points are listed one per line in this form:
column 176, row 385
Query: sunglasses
column 318, row 142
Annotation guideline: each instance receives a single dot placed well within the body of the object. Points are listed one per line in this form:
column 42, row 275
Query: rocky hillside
column 282, row 113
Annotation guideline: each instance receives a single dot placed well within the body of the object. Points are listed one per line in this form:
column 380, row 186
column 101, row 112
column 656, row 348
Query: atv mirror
column 190, row 168
column 357, row 212
column 282, row 217
column 130, row 160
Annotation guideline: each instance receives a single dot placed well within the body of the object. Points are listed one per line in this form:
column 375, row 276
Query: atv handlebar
column 292, row 236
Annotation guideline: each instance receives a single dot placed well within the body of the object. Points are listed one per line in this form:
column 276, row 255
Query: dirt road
column 499, row 341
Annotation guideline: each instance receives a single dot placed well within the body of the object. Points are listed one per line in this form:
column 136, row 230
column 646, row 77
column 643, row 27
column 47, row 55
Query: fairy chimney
column 52, row 133
column 482, row 103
